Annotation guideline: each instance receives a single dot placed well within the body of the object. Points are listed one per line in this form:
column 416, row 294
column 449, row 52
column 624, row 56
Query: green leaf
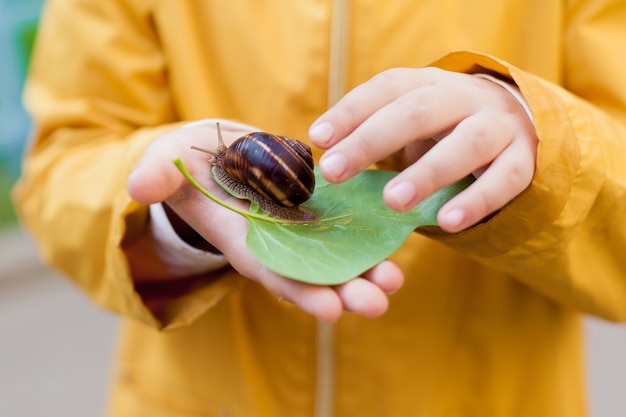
column 356, row 230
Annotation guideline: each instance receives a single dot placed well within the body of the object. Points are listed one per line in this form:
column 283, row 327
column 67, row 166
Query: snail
column 275, row 172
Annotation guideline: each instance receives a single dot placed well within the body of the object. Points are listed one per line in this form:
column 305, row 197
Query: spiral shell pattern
column 277, row 167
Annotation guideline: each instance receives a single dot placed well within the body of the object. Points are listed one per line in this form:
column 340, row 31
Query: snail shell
column 275, row 172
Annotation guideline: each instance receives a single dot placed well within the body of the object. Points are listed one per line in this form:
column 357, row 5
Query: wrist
column 511, row 88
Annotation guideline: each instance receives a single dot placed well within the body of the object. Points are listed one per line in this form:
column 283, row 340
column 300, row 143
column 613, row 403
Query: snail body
column 275, row 172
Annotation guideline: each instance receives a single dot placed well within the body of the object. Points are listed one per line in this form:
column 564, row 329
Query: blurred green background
column 18, row 29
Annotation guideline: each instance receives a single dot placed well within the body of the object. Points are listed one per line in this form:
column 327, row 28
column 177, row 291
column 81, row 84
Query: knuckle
column 414, row 109
column 484, row 204
column 480, row 144
column 432, row 74
column 392, row 81
column 389, row 75
column 512, row 182
column 382, row 80
column 345, row 114
column 518, row 177
column 385, row 82
column 364, row 148
column 430, row 176
column 479, row 151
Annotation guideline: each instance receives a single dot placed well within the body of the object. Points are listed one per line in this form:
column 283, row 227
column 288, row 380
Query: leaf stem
column 247, row 214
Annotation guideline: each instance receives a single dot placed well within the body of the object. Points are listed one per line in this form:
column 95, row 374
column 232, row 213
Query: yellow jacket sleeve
column 94, row 117
column 99, row 99
column 565, row 236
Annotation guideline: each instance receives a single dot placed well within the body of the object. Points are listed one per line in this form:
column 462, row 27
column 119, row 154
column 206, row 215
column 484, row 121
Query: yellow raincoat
column 488, row 322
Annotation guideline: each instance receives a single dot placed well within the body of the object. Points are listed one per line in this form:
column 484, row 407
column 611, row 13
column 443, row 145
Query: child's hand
column 450, row 125
column 156, row 179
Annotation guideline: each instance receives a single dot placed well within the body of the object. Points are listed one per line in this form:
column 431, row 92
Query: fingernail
column 321, row 133
column 403, row 193
column 334, row 165
column 454, row 217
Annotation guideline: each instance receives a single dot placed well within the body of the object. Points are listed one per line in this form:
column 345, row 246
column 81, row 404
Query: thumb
column 155, row 177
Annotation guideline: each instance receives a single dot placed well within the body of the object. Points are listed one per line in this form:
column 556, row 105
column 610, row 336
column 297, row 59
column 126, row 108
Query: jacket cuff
column 182, row 259
column 533, row 222
column 512, row 89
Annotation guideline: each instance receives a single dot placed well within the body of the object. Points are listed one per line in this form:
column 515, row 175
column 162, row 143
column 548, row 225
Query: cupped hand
column 156, row 179
column 450, row 125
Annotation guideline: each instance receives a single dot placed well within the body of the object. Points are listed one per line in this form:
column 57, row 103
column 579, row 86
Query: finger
column 364, row 100
column 505, row 179
column 474, row 143
column 417, row 115
column 321, row 302
column 387, row 276
column 363, row 297
column 209, row 220
column 155, row 178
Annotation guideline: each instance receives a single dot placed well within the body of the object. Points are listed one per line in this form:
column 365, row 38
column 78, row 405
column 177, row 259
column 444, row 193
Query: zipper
column 338, row 60
column 338, row 56
column 325, row 369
